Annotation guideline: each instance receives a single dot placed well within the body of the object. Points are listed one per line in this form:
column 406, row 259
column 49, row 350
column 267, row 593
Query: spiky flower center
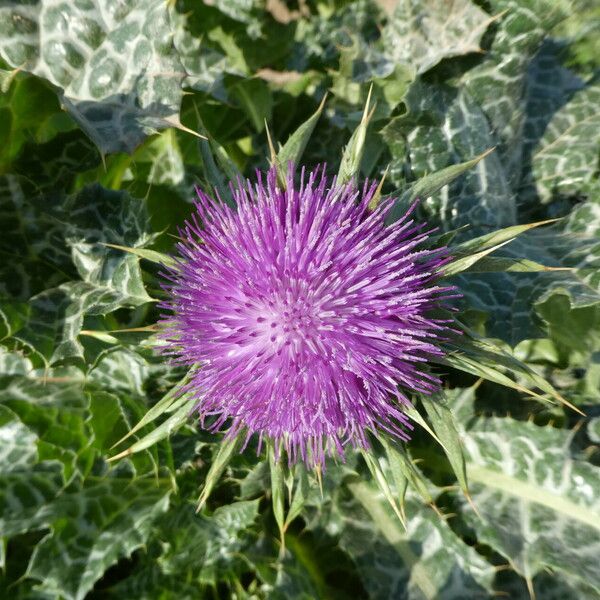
column 287, row 320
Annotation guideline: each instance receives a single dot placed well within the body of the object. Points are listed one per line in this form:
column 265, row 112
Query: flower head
column 304, row 317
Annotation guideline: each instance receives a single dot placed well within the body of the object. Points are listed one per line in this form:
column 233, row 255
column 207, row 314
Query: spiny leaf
column 293, row 149
column 212, row 151
column 120, row 82
column 278, row 494
column 224, row 161
column 213, row 174
column 428, row 185
column 65, row 240
column 518, row 300
column 499, row 83
column 256, row 101
column 463, row 263
column 383, row 484
column 299, row 492
column 426, row 561
column 483, row 359
column 416, row 416
column 498, row 264
column 226, row 450
column 443, row 126
column 423, row 33
column 17, row 442
column 353, row 153
column 121, row 370
column 376, row 199
column 159, row 258
column 565, row 158
column 445, row 427
column 497, row 237
column 537, row 503
column 164, row 430
column 403, row 466
column 170, row 402
column 93, row 528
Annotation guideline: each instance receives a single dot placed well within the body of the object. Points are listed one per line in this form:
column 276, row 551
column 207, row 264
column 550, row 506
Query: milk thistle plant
column 299, row 300
column 309, row 311
column 312, row 315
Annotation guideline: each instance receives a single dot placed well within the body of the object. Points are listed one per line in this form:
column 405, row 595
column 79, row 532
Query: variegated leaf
column 421, row 34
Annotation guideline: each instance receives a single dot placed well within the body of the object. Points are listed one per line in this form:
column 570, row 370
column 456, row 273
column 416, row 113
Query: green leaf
column 17, row 442
column 34, row 255
column 353, row 152
column 25, row 496
column 299, row 573
column 495, row 238
column 416, row 416
column 205, row 65
column 464, row 263
column 384, row 485
column 224, row 454
column 293, row 149
column 55, row 164
column 120, row 80
column 58, row 414
column 444, row 425
column 219, row 168
column 96, row 215
column 206, row 546
column 472, row 255
column 278, row 493
column 543, row 105
column 299, row 492
column 442, row 128
column 499, row 83
column 170, row 402
column 184, row 405
column 426, row 561
column 496, row 264
column 62, row 239
column 405, row 473
column 225, row 162
column 421, row 34
column 483, row 358
column 244, row 11
column 428, row 185
column 539, row 507
column 255, row 99
column 92, row 528
column 39, row 422
column 31, row 112
column 159, row 258
column 13, row 315
column 108, row 418
column 120, row 370
column 13, row 363
column 160, row 162
column 519, row 300
column 564, row 160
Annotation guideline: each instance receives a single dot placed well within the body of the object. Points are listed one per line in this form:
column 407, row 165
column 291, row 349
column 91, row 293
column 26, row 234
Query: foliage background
column 98, row 108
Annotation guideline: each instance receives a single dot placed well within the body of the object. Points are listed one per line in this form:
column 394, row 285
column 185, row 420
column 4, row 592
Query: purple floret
column 305, row 319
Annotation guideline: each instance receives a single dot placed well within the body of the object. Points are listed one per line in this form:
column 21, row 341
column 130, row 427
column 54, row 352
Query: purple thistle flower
column 302, row 313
